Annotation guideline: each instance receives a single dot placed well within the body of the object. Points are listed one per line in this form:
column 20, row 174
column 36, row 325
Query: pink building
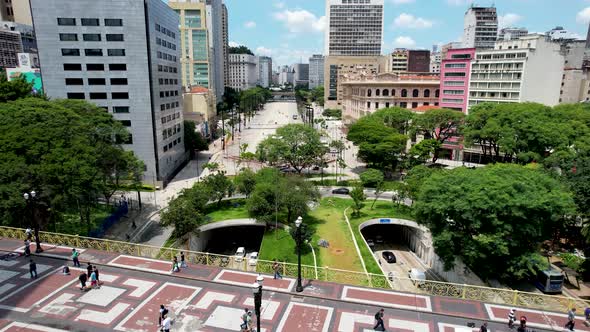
column 454, row 78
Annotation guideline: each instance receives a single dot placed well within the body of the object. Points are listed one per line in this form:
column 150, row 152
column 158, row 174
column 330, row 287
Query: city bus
column 549, row 281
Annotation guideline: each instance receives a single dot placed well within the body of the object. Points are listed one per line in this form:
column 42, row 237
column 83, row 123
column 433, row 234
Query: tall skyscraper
column 264, row 71
column 215, row 26
column 316, row 71
column 225, row 39
column 196, row 65
column 122, row 55
column 354, row 27
column 301, row 74
column 480, row 27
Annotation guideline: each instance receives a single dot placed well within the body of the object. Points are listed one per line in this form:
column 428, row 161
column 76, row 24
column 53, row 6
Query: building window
column 453, row 92
column 92, row 22
column 386, row 104
column 454, row 74
column 94, row 66
column 70, row 52
column 404, row 93
column 96, row 81
column 437, row 93
column 98, row 95
column 403, row 104
column 125, row 123
column 74, row 81
column 121, row 109
column 376, row 105
column 118, row 81
column 455, row 65
column 368, row 104
column 120, row 95
column 68, row 37
column 93, row 52
column 192, row 18
column 72, row 66
column 115, row 37
column 369, row 93
column 157, row 27
column 76, row 95
column 117, row 66
column 377, row 92
column 385, row 93
column 116, row 52
column 427, row 93
column 414, row 105
column 66, row 21
column 113, row 22
column 415, row 93
column 91, row 37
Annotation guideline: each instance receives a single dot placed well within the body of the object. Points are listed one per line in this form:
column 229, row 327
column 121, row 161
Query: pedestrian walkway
column 205, row 298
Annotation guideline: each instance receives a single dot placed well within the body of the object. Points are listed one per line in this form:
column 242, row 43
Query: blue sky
column 290, row 30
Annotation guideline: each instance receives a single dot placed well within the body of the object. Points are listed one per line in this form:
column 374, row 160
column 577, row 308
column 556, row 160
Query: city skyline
column 291, row 31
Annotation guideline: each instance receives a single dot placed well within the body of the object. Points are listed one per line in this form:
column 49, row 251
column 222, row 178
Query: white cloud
column 402, row 2
column 233, row 44
column 459, row 2
column 261, row 50
column 583, row 16
column 250, row 24
column 508, row 20
column 410, row 21
column 404, row 41
column 279, row 5
column 300, row 20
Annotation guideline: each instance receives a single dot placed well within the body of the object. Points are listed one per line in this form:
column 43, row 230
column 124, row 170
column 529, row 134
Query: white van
column 418, row 277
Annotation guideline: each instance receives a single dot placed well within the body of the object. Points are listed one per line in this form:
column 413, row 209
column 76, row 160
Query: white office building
column 264, row 71
column 435, row 60
column 480, row 27
column 355, row 27
column 316, row 71
column 122, row 55
column 243, row 71
column 216, row 19
column 512, row 33
column 559, row 33
column 527, row 69
column 286, row 75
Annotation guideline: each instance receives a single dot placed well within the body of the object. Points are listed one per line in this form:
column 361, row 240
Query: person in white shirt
column 166, row 324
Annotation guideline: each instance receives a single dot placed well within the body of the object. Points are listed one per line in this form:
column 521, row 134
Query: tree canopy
column 493, row 217
column 241, row 49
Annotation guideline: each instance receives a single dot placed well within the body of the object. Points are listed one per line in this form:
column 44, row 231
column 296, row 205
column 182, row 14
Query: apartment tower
column 316, row 71
column 355, row 27
column 480, row 28
column 123, row 56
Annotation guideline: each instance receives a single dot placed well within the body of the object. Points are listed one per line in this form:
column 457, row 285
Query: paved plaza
column 204, row 298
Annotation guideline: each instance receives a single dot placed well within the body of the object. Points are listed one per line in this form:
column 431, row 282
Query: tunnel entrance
column 226, row 240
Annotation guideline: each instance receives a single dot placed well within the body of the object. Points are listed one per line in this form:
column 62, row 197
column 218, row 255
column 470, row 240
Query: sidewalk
column 314, row 291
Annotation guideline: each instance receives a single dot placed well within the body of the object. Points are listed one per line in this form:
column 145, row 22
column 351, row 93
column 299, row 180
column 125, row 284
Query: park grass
column 229, row 209
column 279, row 244
column 70, row 222
column 331, row 226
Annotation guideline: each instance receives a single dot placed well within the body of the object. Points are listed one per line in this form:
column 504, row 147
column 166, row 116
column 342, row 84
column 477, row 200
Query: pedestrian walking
column 511, row 318
column 587, row 313
column 175, row 267
column 27, row 248
column 484, row 327
column 89, row 270
column 182, row 261
column 75, row 255
column 83, row 278
column 33, row 269
column 29, row 233
column 379, row 319
column 65, row 270
column 166, row 323
column 244, row 324
column 571, row 319
column 95, row 271
column 93, row 280
column 162, row 313
column 276, row 268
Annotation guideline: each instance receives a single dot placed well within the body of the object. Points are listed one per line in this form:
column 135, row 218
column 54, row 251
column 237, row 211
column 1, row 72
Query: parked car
column 370, row 243
column 389, row 257
column 240, row 253
column 418, row 277
column 341, row 191
column 253, row 259
column 379, row 239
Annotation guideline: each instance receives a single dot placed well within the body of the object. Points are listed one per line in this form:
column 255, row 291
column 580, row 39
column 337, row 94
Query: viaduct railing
column 435, row 288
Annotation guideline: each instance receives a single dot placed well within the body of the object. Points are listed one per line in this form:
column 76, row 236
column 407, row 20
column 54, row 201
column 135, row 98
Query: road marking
column 34, row 327
column 102, row 296
column 211, row 297
column 325, row 323
column 142, row 286
column 58, row 306
column 457, row 328
column 414, row 297
column 219, row 278
column 105, row 318
column 226, row 318
column 269, row 308
column 6, row 274
column 348, row 320
column 40, row 269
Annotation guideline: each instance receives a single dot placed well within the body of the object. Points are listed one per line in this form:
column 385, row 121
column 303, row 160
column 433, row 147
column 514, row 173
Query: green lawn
column 229, row 209
column 279, row 245
column 70, row 223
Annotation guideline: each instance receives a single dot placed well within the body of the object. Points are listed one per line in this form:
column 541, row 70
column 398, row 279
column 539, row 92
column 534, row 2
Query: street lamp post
column 257, row 290
column 30, row 198
column 298, row 223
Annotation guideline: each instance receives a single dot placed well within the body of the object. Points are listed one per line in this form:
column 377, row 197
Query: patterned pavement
column 203, row 298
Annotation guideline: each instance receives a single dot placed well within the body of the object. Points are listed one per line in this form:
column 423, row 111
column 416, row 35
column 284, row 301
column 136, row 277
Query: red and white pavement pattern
column 129, row 300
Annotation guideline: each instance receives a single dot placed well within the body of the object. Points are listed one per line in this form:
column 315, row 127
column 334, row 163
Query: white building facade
column 435, row 60
column 355, row 27
column 480, row 27
column 113, row 53
column 264, row 71
column 243, row 71
column 512, row 33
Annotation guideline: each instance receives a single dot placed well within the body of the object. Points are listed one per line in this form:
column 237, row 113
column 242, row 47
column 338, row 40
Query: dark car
column 389, row 256
column 341, row 191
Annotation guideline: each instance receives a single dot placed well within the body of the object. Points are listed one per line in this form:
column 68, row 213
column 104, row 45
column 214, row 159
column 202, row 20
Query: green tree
column 219, row 186
column 358, row 198
column 372, row 178
column 306, row 236
column 416, row 177
column 241, row 49
column 421, row 152
column 332, row 113
column 186, row 212
column 193, row 140
column 440, row 125
column 17, row 88
column 497, row 214
column 294, row 144
column 245, row 181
